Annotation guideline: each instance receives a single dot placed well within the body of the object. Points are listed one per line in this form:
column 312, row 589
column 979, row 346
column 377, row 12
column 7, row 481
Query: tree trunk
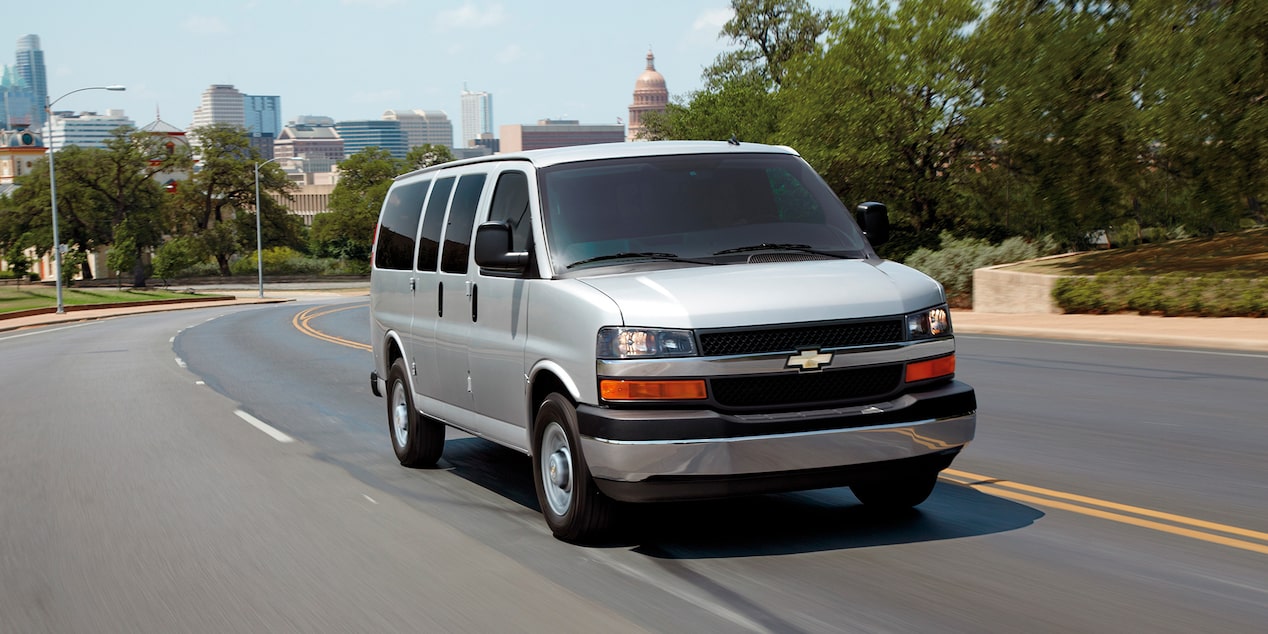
column 138, row 272
column 223, row 262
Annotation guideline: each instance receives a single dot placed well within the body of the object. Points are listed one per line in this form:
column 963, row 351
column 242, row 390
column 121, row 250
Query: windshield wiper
column 767, row 246
column 646, row 255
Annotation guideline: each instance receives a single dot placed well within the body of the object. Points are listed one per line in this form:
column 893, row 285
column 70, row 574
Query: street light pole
column 259, row 235
column 52, row 186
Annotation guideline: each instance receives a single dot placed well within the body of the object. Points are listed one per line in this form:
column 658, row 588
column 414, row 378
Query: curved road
column 229, row 471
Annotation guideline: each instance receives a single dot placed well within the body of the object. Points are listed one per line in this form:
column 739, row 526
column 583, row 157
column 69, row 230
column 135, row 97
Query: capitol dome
column 650, row 95
column 650, row 80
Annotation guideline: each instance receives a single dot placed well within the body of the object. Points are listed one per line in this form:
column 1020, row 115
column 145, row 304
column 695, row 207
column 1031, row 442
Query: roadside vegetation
column 992, row 129
column 14, row 299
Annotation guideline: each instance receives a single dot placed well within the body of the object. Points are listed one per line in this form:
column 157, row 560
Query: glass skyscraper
column 30, row 69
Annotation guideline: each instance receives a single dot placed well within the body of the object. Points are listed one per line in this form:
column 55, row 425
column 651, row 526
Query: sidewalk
column 1227, row 333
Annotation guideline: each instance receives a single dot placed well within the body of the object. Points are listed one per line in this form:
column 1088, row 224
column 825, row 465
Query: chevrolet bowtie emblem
column 809, row 360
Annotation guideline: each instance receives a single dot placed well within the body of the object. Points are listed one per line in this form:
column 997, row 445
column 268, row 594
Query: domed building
column 650, row 95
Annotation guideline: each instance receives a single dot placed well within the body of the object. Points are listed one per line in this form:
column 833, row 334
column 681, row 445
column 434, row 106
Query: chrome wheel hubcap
column 556, row 469
column 400, row 414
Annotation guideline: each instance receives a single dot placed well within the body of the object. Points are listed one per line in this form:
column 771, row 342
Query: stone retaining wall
column 999, row 290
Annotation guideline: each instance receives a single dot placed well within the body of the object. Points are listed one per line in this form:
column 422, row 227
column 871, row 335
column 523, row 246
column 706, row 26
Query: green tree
column 347, row 230
column 1203, row 83
column 427, row 155
column 739, row 98
column 101, row 192
column 223, row 188
column 770, row 34
column 880, row 112
column 1057, row 123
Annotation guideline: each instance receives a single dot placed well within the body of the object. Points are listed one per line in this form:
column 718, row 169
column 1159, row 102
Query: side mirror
column 493, row 249
column 874, row 217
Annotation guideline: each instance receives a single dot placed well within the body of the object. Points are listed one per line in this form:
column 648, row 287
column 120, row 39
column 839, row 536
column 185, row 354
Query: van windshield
column 693, row 210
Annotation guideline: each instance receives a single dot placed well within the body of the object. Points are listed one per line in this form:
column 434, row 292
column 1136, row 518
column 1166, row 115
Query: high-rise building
column 262, row 114
column 423, row 127
column 550, row 133
column 477, row 115
column 650, row 95
column 318, row 145
column 18, row 105
column 386, row 134
column 86, row 129
column 263, row 120
column 220, row 103
column 30, row 68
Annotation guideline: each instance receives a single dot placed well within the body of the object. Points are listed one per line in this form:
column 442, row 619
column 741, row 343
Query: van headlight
column 926, row 324
column 644, row 343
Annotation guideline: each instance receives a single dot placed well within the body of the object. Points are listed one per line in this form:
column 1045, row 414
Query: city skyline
column 355, row 59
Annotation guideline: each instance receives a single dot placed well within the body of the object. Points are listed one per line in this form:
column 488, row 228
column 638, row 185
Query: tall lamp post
column 259, row 235
column 52, row 186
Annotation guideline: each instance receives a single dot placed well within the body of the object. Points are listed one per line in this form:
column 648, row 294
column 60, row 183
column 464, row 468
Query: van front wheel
column 418, row 441
column 574, row 507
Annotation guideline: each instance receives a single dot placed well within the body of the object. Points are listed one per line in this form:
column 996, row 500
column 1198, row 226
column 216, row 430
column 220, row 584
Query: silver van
column 661, row 321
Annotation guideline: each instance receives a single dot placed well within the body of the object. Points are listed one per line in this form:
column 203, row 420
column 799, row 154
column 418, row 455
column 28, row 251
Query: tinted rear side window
column 433, row 225
column 461, row 220
column 398, row 225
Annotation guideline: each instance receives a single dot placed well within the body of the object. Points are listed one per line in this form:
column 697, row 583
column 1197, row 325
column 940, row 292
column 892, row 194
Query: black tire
column 418, row 441
column 575, row 509
column 899, row 493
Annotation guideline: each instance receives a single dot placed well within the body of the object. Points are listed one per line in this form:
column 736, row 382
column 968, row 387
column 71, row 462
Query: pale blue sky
column 353, row 59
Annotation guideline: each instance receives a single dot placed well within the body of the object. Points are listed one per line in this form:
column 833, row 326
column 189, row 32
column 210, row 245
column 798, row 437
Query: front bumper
column 649, row 455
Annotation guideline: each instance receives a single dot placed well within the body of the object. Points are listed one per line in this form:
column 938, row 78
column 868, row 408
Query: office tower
column 18, row 104
column 86, row 129
column 319, row 146
column 386, row 134
column 423, row 127
column 477, row 115
column 220, row 103
column 263, row 120
column 30, row 69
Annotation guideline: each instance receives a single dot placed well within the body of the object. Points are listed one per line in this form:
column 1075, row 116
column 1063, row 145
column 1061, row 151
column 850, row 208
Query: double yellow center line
column 1212, row 532
column 302, row 319
column 1232, row 536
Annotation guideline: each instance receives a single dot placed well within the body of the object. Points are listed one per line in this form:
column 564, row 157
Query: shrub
column 954, row 263
column 177, row 256
column 1169, row 295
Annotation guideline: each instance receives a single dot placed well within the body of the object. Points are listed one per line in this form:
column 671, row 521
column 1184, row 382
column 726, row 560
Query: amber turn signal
column 931, row 369
column 616, row 390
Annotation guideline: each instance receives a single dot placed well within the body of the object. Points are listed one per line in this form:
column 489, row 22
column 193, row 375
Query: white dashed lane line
column 263, row 426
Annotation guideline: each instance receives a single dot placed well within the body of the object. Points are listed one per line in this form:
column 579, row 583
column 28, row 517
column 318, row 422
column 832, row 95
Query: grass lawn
column 1242, row 255
column 13, row 299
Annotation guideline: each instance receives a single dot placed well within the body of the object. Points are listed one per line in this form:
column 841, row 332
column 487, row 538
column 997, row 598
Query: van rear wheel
column 898, row 493
column 418, row 441
column 575, row 509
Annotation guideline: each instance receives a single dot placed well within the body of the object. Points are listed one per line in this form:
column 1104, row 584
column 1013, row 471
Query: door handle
column 440, row 300
column 475, row 301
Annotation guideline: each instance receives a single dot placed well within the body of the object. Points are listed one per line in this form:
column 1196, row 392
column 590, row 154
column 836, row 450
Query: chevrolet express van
column 660, row 321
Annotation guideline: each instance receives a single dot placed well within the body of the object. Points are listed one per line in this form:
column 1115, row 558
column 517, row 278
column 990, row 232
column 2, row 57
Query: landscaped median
column 37, row 300
column 1224, row 276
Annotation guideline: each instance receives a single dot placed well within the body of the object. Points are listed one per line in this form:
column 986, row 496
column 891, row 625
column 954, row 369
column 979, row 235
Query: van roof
column 600, row 151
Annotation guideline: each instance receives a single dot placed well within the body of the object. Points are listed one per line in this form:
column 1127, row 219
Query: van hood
column 749, row 294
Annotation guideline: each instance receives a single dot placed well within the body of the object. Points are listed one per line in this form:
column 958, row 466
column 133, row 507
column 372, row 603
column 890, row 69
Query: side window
column 462, row 212
column 398, row 225
column 510, row 204
column 433, row 224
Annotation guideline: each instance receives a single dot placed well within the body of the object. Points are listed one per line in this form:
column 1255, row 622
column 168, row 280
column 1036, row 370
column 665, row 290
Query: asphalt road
column 1111, row 488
